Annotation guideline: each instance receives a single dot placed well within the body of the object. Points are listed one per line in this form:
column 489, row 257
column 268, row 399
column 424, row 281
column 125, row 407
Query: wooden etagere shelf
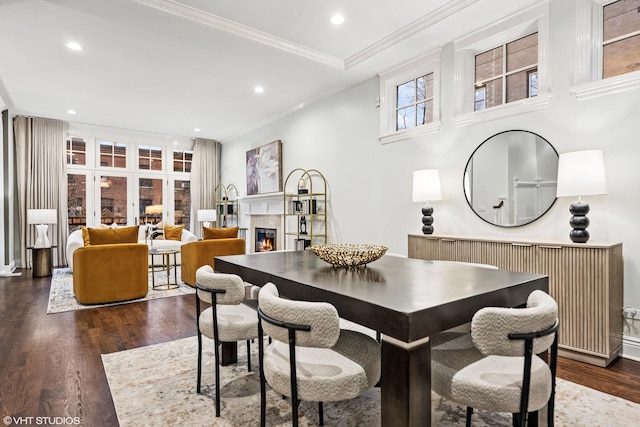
column 305, row 209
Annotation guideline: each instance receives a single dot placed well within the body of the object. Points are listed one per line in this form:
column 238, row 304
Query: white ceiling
column 169, row 66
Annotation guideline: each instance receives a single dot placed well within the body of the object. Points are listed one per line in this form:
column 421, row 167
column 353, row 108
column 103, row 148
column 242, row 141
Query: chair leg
column 216, row 352
column 199, row 380
column 321, row 413
column 263, row 381
column 469, row 413
column 249, row 355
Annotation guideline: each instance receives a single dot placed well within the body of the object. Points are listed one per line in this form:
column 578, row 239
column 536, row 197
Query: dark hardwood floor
column 50, row 365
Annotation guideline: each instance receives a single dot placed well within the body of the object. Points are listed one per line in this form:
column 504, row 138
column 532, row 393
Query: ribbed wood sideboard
column 585, row 279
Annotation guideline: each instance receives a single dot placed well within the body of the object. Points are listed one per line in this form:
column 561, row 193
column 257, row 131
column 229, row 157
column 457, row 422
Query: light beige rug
column 155, row 386
column 61, row 296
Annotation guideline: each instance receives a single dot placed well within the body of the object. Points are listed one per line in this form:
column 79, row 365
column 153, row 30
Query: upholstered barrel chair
column 310, row 357
column 110, row 273
column 496, row 367
column 203, row 252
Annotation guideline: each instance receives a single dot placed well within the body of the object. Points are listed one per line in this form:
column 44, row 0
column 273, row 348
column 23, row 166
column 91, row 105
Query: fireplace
column 265, row 239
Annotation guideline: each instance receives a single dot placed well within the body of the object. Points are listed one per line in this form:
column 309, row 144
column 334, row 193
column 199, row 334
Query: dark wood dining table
column 405, row 299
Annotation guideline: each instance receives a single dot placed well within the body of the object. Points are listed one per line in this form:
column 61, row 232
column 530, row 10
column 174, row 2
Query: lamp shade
column 206, row 215
column 426, row 186
column 153, row 210
column 42, row 216
column 581, row 173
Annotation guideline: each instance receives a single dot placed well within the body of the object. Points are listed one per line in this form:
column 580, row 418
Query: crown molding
column 178, row 9
column 420, row 24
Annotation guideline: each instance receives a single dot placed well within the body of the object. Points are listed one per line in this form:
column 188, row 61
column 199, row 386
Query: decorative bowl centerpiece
column 348, row 254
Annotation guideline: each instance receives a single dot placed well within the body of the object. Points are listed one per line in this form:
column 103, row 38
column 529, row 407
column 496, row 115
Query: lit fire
column 267, row 245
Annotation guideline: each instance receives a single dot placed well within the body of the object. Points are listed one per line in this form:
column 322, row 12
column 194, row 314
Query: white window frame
column 428, row 63
column 164, row 150
column 92, row 170
column 588, row 81
column 531, row 20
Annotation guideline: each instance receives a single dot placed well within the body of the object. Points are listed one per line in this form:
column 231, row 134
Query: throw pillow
column 173, row 232
column 85, row 236
column 107, row 236
column 219, row 233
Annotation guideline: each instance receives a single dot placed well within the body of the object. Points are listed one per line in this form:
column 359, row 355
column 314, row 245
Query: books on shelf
column 303, row 207
column 302, row 244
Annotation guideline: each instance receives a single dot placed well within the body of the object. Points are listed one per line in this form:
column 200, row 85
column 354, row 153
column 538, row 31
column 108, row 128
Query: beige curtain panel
column 41, row 180
column 205, row 176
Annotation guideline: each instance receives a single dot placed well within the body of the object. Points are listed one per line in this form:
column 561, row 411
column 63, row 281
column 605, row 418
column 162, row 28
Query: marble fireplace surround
column 262, row 211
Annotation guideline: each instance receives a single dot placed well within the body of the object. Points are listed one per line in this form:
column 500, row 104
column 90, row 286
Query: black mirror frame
column 466, row 196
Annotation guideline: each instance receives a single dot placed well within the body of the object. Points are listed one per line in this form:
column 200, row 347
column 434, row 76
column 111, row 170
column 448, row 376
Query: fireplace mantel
column 262, row 204
column 262, row 210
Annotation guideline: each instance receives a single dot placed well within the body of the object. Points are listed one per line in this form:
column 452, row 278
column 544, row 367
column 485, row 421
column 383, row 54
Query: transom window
column 502, row 70
column 414, row 102
column 150, row 158
column 76, row 151
column 507, row 73
column 607, row 47
column 113, row 154
column 409, row 99
column 621, row 38
column 182, row 160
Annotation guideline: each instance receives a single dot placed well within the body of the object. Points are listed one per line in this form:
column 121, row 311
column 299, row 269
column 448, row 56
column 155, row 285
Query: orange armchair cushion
column 108, row 236
column 219, row 233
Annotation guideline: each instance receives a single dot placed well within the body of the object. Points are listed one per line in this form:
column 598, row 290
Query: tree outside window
column 414, row 102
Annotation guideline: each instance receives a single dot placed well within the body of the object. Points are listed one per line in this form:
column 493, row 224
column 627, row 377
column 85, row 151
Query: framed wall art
column 264, row 169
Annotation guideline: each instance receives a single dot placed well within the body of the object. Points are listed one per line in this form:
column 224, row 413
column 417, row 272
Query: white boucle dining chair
column 496, row 367
column 310, row 358
column 227, row 320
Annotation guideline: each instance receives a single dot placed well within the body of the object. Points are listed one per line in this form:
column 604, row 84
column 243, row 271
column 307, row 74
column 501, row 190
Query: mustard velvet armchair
column 196, row 254
column 110, row 273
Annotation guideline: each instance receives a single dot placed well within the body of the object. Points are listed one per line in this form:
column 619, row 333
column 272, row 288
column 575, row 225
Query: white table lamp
column 581, row 173
column 41, row 218
column 206, row 216
column 426, row 188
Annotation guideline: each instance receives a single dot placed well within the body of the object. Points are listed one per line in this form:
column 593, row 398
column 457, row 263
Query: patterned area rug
column 61, row 296
column 155, row 385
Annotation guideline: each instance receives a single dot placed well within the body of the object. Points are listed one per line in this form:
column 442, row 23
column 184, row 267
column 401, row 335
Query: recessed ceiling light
column 337, row 19
column 196, row 130
column 258, row 89
column 74, row 46
column 71, row 111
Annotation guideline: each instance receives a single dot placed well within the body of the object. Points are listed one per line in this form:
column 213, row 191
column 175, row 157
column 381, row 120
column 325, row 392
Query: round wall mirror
column 510, row 179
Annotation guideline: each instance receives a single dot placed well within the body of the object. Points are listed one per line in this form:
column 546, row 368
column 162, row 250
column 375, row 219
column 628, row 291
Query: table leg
column 406, row 383
column 153, row 272
column 167, row 264
column 228, row 353
column 175, row 268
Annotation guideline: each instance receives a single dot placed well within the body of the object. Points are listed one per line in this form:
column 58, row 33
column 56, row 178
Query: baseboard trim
column 631, row 348
column 7, row 269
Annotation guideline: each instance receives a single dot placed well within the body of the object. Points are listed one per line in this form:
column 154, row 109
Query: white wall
column 370, row 184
